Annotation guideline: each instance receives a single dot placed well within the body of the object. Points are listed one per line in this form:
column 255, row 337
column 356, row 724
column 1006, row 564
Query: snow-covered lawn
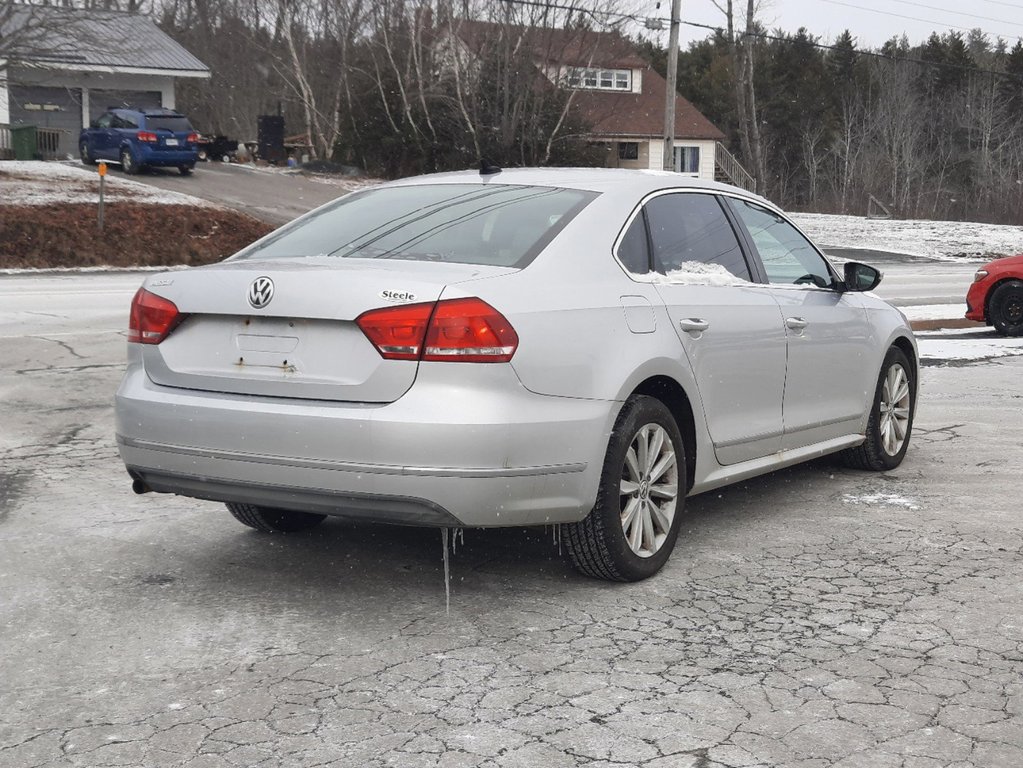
column 937, row 240
column 966, row 344
column 41, row 183
column 934, row 311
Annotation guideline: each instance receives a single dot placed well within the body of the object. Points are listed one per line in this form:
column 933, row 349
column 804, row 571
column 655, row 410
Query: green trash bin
column 23, row 142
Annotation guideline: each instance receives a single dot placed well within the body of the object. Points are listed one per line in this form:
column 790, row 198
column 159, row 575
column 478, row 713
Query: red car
column 996, row 296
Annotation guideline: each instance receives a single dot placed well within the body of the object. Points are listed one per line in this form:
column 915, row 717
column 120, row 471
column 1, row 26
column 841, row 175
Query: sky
column 871, row 22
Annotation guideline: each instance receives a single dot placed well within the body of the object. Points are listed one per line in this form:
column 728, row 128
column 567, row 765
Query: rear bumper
column 148, row 156
column 445, row 454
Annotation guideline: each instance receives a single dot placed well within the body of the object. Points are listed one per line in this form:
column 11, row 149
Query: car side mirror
column 861, row 277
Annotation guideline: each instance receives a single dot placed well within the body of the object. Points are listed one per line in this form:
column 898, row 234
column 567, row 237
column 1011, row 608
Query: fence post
column 102, row 168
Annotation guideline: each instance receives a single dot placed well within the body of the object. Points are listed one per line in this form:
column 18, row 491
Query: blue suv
column 139, row 137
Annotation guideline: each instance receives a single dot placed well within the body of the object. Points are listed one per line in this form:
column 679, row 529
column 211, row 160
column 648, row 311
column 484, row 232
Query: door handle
column 693, row 324
column 796, row 323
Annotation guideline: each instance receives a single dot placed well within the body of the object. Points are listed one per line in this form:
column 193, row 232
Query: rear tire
column 631, row 530
column 1005, row 308
column 128, row 164
column 185, row 170
column 270, row 520
column 891, row 417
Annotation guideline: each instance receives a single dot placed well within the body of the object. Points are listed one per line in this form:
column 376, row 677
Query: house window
column 600, row 79
column 687, row 159
column 628, row 150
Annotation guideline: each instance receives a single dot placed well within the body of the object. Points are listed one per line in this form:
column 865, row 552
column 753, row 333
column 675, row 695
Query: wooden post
column 671, row 92
column 102, row 180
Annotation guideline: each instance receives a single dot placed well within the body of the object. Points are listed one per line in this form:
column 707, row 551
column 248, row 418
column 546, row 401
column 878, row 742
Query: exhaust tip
column 139, row 485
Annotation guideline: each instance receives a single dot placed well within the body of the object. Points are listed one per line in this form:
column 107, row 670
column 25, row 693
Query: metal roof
column 84, row 39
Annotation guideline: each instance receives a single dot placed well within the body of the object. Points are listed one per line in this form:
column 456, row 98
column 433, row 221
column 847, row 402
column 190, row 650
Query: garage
column 101, row 101
column 49, row 107
column 63, row 86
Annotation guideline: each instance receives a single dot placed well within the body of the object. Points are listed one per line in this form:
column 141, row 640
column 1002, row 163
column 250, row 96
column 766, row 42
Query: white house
column 621, row 97
column 81, row 62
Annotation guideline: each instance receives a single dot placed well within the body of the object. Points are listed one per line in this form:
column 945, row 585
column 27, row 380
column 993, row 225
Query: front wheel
column 891, row 417
column 269, row 520
column 631, row 530
column 1005, row 309
column 128, row 164
column 83, row 152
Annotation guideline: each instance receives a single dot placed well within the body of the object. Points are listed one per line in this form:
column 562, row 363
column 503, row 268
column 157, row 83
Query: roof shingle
column 87, row 38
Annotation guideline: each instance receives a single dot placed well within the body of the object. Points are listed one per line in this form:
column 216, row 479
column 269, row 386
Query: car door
column 728, row 328
column 831, row 348
column 100, row 137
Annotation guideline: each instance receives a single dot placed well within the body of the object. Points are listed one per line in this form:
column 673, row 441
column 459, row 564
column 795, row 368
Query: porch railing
column 47, row 143
column 6, row 150
column 732, row 169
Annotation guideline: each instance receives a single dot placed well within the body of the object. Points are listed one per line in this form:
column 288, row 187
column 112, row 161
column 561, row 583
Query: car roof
column 148, row 111
column 619, row 180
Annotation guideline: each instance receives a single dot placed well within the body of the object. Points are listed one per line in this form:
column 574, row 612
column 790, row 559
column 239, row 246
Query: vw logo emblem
column 260, row 292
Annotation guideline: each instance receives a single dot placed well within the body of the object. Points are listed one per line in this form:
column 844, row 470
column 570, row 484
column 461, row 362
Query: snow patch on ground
column 937, row 240
column 348, row 183
column 966, row 344
column 886, row 499
column 933, row 311
column 80, row 270
column 34, row 182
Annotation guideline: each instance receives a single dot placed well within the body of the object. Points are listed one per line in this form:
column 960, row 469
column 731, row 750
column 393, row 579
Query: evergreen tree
column 1011, row 87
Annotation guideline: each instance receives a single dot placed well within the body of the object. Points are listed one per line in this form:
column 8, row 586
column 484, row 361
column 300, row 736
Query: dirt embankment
column 134, row 234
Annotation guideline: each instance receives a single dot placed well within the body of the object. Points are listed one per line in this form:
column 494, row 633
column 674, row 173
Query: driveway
column 814, row 617
column 273, row 196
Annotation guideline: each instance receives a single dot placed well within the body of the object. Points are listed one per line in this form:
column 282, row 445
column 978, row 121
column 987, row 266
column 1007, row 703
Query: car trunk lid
column 303, row 341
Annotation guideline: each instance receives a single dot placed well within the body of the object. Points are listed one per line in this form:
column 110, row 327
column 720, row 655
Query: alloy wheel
column 1013, row 310
column 894, row 409
column 648, row 489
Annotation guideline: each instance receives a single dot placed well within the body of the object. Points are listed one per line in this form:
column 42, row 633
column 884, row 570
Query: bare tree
column 743, row 63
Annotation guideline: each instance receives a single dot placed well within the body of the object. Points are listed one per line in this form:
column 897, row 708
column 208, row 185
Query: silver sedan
column 584, row 348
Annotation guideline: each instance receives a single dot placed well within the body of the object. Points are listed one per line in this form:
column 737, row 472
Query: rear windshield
column 176, row 124
column 490, row 224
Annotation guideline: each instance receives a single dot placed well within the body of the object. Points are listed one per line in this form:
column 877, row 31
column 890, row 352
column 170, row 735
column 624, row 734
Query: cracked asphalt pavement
column 814, row 617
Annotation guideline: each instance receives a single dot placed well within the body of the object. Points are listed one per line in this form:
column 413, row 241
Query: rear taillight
column 453, row 330
column 146, row 136
column 192, row 138
column 152, row 318
column 469, row 331
column 397, row 332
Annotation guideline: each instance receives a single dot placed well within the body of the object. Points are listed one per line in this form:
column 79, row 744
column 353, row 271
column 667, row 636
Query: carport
column 85, row 62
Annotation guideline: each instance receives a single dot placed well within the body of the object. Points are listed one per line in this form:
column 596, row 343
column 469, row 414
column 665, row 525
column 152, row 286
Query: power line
column 957, row 13
column 902, row 15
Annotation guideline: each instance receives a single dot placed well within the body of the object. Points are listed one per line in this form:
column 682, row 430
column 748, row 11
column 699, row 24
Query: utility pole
column 669, row 96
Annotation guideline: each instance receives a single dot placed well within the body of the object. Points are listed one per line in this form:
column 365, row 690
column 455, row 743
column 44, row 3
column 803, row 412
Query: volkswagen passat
column 575, row 347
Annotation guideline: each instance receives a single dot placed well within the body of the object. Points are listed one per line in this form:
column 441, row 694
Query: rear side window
column 176, row 124
column 687, row 228
column 487, row 224
column 124, row 121
column 633, row 250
